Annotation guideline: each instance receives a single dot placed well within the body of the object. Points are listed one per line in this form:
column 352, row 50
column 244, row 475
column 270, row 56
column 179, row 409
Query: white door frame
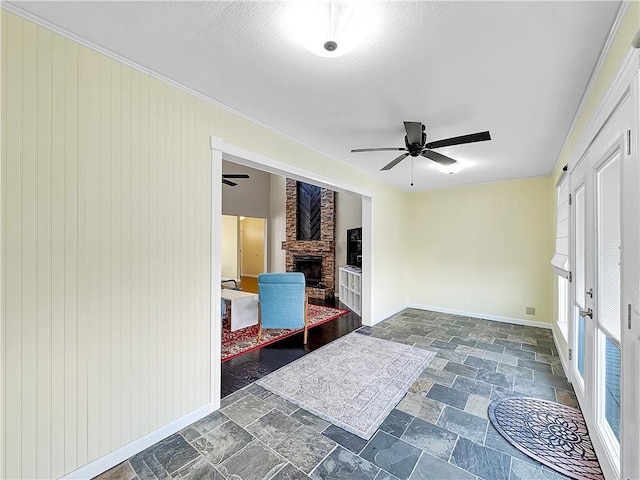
column 240, row 248
column 577, row 182
column 590, row 394
column 232, row 153
column 625, row 83
column 630, row 295
column 216, row 273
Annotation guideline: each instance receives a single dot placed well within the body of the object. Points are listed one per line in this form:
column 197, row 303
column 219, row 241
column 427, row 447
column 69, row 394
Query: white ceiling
column 518, row 69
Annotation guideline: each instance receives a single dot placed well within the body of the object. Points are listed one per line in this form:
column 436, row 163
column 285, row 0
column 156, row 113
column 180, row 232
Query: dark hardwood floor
column 245, row 369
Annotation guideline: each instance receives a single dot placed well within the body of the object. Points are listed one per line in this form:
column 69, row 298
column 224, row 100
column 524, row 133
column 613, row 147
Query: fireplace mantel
column 303, row 246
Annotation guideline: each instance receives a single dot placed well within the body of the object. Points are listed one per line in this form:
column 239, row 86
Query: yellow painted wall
column 252, row 246
column 483, row 249
column 105, row 248
column 229, row 247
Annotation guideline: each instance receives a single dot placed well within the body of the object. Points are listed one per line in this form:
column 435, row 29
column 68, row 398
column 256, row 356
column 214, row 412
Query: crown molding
column 604, row 52
column 619, row 87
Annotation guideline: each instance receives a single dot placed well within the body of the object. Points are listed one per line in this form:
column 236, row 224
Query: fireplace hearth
column 311, row 267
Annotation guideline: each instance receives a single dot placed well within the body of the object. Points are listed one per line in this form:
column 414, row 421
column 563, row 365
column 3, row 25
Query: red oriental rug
column 246, row 339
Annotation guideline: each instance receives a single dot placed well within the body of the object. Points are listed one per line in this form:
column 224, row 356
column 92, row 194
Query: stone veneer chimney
column 325, row 247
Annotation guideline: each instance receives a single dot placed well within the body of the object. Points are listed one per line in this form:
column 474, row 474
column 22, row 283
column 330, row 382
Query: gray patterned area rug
column 352, row 382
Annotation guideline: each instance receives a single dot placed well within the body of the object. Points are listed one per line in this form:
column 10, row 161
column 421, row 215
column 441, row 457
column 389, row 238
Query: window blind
column 608, row 188
column 560, row 260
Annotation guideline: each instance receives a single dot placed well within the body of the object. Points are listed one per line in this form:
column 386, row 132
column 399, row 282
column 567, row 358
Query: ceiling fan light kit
column 416, row 145
column 451, row 169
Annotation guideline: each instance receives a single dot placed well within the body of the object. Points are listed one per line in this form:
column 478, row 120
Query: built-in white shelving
column 350, row 288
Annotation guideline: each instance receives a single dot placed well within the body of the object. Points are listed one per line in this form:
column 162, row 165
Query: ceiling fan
column 225, row 176
column 415, row 145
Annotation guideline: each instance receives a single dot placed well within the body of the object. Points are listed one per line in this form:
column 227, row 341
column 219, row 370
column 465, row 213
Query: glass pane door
column 603, row 331
column 608, row 190
column 612, row 387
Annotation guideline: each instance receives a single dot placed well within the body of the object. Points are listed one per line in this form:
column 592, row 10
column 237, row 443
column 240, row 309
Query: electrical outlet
column 531, row 310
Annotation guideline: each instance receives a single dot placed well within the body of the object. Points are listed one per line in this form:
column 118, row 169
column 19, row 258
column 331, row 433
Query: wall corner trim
column 216, row 143
column 389, row 314
column 110, row 460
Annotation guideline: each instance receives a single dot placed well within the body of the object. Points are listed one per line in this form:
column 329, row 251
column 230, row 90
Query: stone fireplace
column 310, row 237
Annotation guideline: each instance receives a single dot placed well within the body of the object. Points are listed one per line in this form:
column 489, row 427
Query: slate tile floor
column 440, row 429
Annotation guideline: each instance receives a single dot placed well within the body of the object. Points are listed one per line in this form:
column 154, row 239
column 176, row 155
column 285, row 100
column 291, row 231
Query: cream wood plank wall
column 105, row 253
column 485, row 249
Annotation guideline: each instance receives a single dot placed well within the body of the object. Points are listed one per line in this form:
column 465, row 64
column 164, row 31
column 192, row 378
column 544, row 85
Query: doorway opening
column 353, row 209
column 244, row 246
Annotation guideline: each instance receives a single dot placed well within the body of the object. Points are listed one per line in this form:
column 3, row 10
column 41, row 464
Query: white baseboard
column 484, row 316
column 384, row 316
column 562, row 353
column 112, row 459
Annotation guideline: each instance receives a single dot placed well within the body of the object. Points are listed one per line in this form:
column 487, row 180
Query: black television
column 354, row 247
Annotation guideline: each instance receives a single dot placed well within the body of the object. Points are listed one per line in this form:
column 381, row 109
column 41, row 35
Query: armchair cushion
column 282, row 300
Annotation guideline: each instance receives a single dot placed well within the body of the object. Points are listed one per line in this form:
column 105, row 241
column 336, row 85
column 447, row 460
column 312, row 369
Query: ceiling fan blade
column 394, row 162
column 414, row 132
column 235, row 175
column 471, row 138
column 383, row 149
column 229, row 182
column 438, row 157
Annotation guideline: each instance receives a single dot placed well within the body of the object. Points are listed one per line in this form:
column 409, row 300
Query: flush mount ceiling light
column 331, row 28
column 451, row 169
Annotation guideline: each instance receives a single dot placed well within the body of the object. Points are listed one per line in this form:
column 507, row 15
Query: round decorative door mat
column 551, row 433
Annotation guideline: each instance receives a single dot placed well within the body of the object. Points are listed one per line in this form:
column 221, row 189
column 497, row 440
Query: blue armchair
column 282, row 302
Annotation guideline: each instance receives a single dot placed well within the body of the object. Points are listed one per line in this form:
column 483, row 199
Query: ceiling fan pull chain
column 412, row 171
